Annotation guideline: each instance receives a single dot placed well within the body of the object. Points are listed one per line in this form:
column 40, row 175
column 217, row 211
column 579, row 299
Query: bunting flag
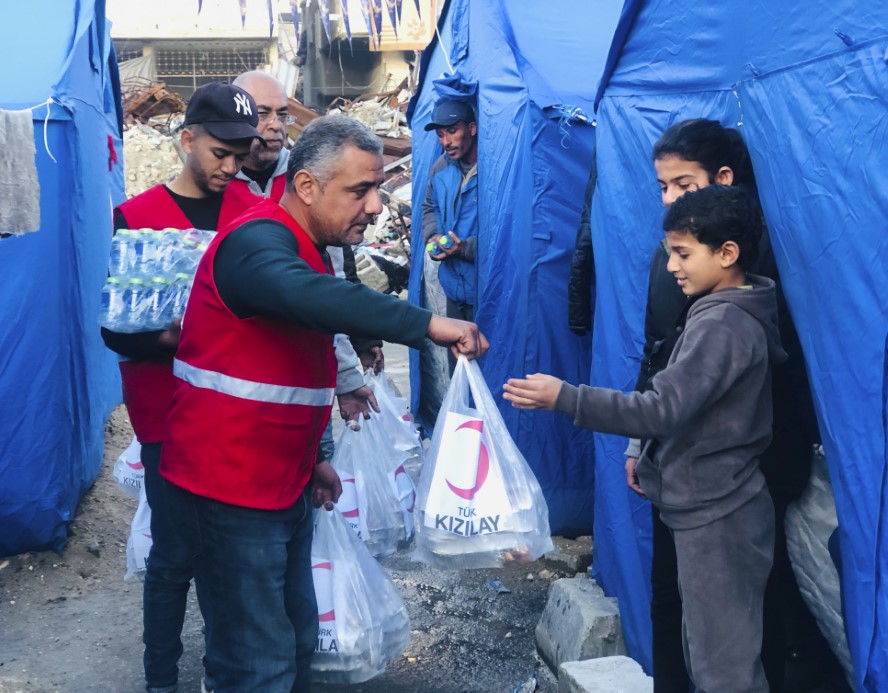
column 324, row 6
column 398, row 4
column 294, row 10
column 418, row 12
column 365, row 11
column 199, row 5
column 393, row 14
column 270, row 19
column 345, row 20
column 243, row 9
column 377, row 19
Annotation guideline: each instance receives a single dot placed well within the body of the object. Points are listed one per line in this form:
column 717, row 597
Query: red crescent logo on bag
column 348, row 501
column 324, row 596
column 483, row 465
column 398, row 472
column 135, row 465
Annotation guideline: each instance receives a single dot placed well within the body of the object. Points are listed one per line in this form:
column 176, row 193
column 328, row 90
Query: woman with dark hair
column 691, row 155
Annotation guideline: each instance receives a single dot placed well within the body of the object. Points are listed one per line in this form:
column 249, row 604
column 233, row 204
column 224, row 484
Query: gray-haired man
column 242, row 437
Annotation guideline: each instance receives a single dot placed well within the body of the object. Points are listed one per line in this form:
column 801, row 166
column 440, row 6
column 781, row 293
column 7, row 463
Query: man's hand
column 632, row 477
column 325, row 485
column 170, row 336
column 539, row 391
column 462, row 337
column 444, row 253
column 357, row 403
column 372, row 358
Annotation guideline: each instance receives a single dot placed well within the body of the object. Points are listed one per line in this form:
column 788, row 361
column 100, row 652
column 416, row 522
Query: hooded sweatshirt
column 708, row 414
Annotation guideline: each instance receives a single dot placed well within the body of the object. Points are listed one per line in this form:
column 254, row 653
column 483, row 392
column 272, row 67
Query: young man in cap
column 220, row 125
column 255, row 374
column 450, row 209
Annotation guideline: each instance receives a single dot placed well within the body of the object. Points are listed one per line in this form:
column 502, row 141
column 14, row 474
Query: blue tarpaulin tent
column 533, row 168
column 807, row 86
column 808, row 89
column 57, row 382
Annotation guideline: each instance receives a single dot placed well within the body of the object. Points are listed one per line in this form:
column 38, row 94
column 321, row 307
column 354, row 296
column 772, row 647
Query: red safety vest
column 148, row 385
column 278, row 185
column 252, row 396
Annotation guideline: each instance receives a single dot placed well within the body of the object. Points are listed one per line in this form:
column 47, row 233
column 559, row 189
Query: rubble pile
column 378, row 115
column 149, row 158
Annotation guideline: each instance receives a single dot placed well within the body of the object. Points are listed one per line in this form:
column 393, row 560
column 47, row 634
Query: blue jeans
column 167, row 579
column 252, row 571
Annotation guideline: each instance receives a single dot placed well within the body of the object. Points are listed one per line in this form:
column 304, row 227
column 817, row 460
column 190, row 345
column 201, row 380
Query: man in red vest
column 220, row 124
column 255, row 376
column 264, row 174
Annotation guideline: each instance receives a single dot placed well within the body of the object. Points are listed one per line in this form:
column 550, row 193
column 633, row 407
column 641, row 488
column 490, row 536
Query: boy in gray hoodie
column 706, row 419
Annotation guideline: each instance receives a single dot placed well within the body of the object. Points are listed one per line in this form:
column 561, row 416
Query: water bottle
column 121, row 248
column 134, row 305
column 112, row 314
column 445, row 242
column 180, row 289
column 168, row 250
column 158, row 294
column 145, row 255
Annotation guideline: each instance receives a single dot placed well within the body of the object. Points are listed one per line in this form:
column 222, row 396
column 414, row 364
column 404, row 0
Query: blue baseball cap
column 449, row 113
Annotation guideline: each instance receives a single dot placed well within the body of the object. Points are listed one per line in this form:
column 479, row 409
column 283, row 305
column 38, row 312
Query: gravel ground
column 69, row 622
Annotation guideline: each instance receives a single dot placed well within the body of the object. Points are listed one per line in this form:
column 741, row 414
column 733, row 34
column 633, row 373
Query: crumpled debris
column 528, row 686
column 149, row 158
column 497, row 586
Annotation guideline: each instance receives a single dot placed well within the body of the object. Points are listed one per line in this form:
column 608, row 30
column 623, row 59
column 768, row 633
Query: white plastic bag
column 128, row 470
column 478, row 502
column 362, row 620
column 810, row 521
column 139, row 543
column 377, row 495
column 397, row 422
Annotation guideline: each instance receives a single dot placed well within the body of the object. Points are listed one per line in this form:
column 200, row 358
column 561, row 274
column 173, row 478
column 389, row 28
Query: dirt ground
column 69, row 621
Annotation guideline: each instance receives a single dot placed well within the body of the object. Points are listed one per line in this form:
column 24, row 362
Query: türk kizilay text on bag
column 478, row 502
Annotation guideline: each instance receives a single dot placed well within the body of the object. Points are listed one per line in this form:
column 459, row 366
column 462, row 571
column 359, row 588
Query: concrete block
column 579, row 622
column 570, row 555
column 604, row 675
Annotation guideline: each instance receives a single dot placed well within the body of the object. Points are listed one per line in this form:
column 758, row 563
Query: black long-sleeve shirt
column 258, row 271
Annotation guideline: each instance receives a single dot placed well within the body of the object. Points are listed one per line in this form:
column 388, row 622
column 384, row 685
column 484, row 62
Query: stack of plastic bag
column 128, row 470
column 397, row 422
column 478, row 502
column 362, row 620
column 378, row 496
column 139, row 543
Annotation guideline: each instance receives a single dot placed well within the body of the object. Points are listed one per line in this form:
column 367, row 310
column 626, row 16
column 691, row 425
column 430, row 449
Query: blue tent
column 58, row 383
column 533, row 168
column 808, row 89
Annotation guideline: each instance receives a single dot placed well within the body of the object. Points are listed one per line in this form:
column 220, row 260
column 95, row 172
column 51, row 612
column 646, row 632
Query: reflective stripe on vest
column 248, row 389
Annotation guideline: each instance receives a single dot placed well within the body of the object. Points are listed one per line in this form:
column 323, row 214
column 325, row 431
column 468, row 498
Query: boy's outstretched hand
column 539, row 391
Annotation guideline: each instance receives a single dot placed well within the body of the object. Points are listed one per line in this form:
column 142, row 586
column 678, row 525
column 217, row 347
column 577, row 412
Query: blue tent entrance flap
column 58, row 383
column 532, row 172
column 807, row 91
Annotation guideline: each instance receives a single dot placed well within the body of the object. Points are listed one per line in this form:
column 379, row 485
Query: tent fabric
column 58, row 382
column 807, row 89
column 533, row 167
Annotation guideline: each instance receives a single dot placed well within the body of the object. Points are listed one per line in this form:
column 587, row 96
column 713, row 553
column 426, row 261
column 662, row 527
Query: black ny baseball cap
column 449, row 113
column 225, row 111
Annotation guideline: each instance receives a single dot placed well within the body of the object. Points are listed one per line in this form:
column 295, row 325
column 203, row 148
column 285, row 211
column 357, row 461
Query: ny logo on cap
column 241, row 101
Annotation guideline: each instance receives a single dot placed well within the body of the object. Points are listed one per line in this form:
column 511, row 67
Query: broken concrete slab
column 604, row 675
column 570, row 555
column 578, row 623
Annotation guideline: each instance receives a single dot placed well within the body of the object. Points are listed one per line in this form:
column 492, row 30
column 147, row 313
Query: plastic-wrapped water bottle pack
column 150, row 274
